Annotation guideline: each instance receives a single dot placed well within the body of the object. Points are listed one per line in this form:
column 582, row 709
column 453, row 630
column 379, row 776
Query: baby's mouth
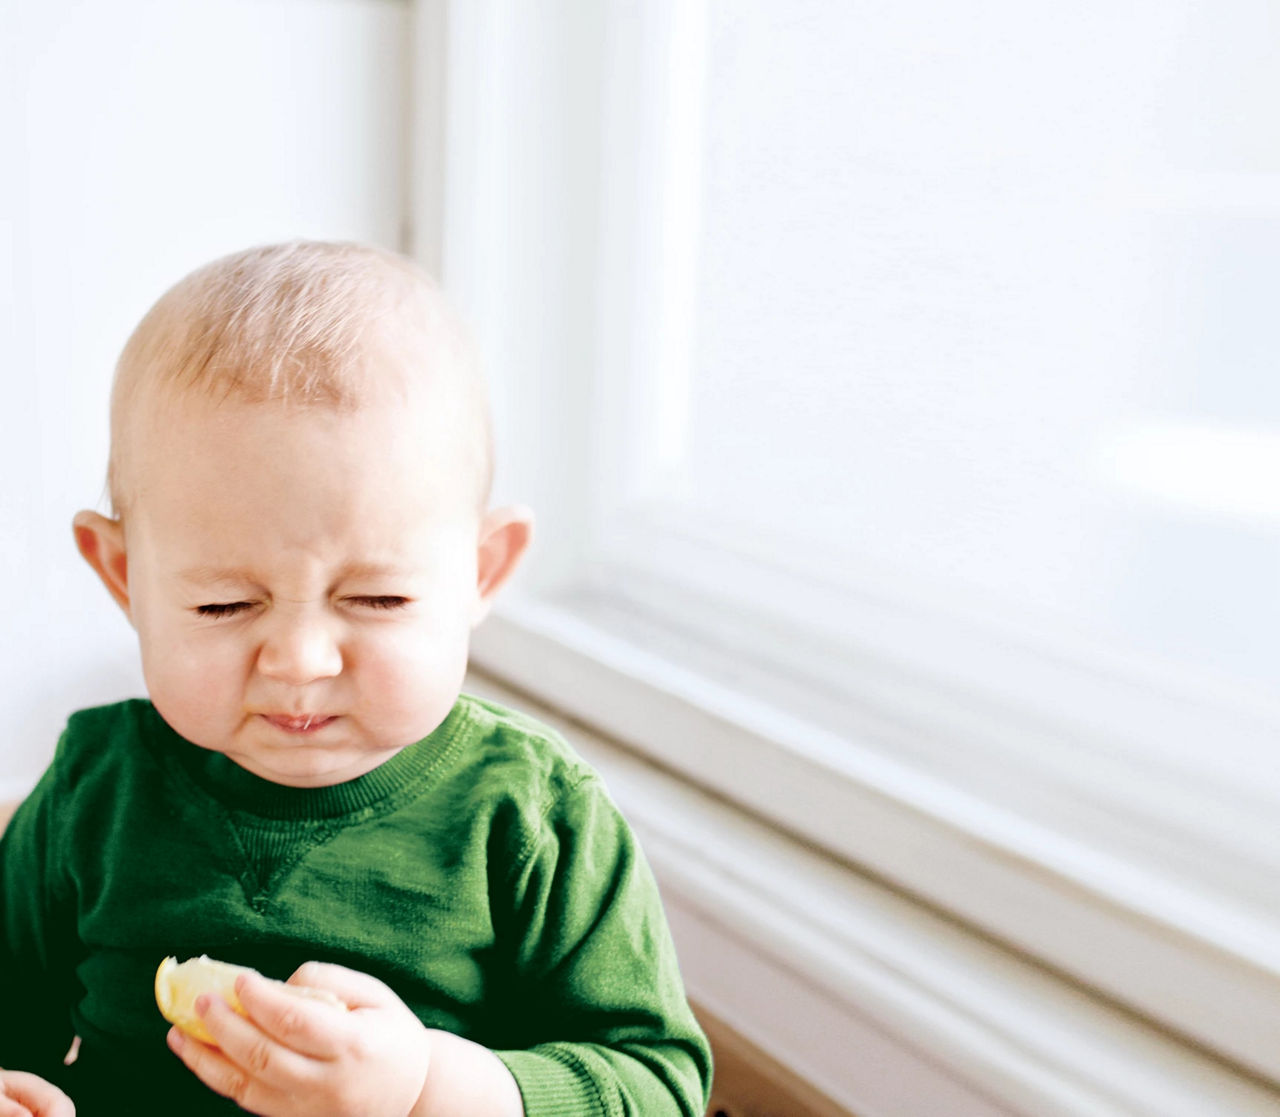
column 305, row 723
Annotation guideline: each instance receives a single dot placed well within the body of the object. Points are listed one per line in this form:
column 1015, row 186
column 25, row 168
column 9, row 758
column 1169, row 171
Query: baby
column 300, row 535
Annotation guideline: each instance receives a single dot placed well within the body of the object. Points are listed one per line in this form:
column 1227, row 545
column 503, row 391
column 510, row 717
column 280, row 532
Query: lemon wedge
column 178, row 984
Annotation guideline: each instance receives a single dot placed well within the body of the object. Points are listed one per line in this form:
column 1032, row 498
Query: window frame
column 1164, row 947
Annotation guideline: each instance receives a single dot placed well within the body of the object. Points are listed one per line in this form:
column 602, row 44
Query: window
column 896, row 383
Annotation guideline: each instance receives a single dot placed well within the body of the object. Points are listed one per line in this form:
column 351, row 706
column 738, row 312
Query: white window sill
column 880, row 1003
column 759, row 910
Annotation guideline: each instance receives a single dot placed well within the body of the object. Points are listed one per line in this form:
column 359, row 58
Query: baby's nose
column 299, row 650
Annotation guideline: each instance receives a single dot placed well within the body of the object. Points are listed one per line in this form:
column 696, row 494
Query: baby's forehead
column 400, row 400
column 191, row 458
column 427, row 425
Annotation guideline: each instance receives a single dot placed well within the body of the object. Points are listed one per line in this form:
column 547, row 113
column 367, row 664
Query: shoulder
column 507, row 744
column 92, row 769
column 97, row 741
column 114, row 717
column 529, row 775
column 134, row 718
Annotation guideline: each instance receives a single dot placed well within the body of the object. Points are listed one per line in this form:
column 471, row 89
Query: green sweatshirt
column 483, row 873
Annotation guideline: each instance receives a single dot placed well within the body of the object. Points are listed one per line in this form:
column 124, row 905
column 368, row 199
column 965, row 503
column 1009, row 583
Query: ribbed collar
column 240, row 790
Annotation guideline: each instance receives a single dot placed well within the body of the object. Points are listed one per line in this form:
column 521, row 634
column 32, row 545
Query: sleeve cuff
column 554, row 1084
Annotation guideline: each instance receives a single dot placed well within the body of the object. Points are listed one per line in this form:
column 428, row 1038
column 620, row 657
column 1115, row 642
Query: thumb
column 353, row 988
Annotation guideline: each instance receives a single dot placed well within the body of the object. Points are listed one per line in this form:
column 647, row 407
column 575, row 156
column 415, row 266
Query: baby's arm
column 25, row 1095
column 35, row 1027
column 295, row 1056
column 466, row 1078
column 596, row 1015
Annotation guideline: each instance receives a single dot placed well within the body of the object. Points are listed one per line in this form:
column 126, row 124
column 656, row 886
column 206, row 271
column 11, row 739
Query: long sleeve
column 596, row 974
column 35, row 1027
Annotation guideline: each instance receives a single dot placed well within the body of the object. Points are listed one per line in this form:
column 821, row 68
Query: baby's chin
column 317, row 757
column 308, row 753
column 310, row 766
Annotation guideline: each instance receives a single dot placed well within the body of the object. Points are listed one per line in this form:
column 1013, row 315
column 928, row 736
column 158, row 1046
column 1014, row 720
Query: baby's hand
column 25, row 1095
column 297, row 1056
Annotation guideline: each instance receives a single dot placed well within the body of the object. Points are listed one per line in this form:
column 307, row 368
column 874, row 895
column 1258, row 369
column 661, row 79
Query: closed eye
column 379, row 602
column 226, row 609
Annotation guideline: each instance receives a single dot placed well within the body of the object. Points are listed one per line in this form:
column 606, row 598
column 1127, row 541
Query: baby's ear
column 504, row 537
column 101, row 541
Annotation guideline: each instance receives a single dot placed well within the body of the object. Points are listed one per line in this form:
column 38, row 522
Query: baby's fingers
column 353, row 988
column 216, row 1071
column 27, row 1095
column 305, row 1024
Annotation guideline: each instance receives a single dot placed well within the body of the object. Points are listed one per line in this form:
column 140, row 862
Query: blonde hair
column 304, row 323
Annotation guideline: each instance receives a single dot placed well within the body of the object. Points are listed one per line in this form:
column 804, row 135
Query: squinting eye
column 380, row 602
column 226, row 610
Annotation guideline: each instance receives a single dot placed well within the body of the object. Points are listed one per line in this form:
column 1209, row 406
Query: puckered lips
column 300, row 724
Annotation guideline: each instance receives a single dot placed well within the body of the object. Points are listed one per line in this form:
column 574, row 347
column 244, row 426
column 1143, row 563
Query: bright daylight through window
column 928, row 351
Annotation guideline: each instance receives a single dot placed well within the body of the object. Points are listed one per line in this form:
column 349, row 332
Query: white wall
column 140, row 139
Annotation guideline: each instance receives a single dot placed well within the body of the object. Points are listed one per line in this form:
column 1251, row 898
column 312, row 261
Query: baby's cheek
column 418, row 678
column 198, row 690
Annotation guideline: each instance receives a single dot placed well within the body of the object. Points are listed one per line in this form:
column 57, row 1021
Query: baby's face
column 303, row 582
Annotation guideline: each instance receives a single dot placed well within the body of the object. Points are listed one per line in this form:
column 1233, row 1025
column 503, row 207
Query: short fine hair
column 303, row 323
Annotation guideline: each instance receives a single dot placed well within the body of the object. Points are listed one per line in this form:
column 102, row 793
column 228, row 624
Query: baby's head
column 299, row 475
column 303, row 325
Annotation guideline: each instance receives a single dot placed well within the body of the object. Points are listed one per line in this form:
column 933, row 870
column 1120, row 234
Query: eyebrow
column 206, row 575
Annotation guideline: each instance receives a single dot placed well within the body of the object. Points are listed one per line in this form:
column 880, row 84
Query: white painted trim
column 650, row 198
column 425, row 144
column 1154, row 944
column 883, row 1005
column 521, row 171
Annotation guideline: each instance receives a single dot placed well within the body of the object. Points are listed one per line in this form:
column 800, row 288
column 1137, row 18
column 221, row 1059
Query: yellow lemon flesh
column 178, row 984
